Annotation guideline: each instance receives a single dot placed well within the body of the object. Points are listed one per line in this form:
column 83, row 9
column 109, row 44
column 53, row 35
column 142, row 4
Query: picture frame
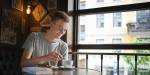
column 39, row 12
column 46, row 21
column 10, row 26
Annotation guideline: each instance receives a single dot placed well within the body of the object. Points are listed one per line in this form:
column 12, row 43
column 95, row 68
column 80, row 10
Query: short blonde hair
column 56, row 15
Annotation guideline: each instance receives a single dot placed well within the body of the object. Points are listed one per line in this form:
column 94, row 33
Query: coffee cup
column 67, row 63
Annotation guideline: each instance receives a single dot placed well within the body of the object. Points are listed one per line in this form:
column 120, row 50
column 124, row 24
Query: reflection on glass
column 81, row 61
column 125, row 27
column 109, row 65
column 143, row 65
column 87, row 4
column 95, row 64
column 127, row 65
column 126, row 62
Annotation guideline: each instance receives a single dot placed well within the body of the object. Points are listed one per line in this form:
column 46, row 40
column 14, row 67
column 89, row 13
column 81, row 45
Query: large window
column 110, row 25
column 105, row 3
column 115, row 27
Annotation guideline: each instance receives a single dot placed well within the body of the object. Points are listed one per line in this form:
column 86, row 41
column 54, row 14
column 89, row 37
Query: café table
column 75, row 71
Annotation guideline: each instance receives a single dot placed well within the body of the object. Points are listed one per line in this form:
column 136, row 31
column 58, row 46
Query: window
column 116, row 0
column 117, row 19
column 143, row 16
column 117, row 41
column 106, row 3
column 82, row 31
column 99, row 41
column 143, row 40
column 109, row 25
column 113, row 18
column 82, row 4
column 99, row 1
column 100, row 21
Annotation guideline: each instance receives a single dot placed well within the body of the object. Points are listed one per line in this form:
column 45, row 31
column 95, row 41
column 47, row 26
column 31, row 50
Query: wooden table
column 76, row 71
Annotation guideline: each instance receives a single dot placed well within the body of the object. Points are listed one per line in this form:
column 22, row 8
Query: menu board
column 11, row 24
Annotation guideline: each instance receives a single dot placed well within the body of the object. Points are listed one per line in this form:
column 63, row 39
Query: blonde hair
column 56, row 15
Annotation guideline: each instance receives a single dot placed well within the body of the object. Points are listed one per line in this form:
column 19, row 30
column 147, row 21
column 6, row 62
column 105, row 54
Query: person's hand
column 54, row 56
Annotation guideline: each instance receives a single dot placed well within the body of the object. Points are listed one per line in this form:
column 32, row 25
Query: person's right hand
column 54, row 56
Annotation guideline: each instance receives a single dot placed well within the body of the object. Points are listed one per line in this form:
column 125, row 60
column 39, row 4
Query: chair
column 10, row 59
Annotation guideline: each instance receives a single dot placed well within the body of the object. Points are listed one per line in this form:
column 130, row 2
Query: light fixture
column 28, row 10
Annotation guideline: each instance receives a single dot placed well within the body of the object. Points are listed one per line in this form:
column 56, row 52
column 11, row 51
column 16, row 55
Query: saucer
column 64, row 68
column 67, row 67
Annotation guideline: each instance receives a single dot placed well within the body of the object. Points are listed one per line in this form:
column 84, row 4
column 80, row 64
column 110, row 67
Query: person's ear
column 52, row 24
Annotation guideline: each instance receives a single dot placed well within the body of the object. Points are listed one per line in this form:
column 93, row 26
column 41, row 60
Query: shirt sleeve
column 29, row 42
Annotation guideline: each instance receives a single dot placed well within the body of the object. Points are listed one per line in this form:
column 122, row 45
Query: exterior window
column 99, row 1
column 116, row 0
column 82, row 4
column 82, row 32
column 113, row 33
column 105, row 3
column 117, row 19
column 82, row 38
column 117, row 41
column 143, row 40
column 99, row 41
column 110, row 25
column 100, row 21
column 143, row 16
column 82, row 29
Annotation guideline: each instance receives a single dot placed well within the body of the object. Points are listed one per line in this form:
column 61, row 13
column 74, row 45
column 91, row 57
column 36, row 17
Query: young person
column 44, row 47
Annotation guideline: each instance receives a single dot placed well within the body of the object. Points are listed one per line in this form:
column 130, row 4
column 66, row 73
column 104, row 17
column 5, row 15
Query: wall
column 15, row 25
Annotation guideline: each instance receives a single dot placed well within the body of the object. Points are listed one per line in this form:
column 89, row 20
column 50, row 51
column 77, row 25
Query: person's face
column 58, row 29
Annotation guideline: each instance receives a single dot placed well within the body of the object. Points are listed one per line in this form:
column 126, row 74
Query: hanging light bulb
column 28, row 10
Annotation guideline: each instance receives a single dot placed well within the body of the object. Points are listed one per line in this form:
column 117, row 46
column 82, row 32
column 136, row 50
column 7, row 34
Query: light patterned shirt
column 40, row 46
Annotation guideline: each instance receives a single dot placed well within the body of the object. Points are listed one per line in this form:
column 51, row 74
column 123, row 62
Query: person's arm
column 28, row 61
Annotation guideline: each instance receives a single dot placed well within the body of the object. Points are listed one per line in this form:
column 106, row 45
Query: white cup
column 67, row 63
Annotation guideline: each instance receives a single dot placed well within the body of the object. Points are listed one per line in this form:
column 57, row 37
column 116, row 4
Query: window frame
column 130, row 7
column 120, row 8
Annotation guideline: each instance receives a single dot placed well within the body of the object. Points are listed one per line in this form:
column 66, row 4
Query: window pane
column 81, row 61
column 115, row 28
column 95, row 64
column 109, row 65
column 143, row 65
column 127, row 65
column 87, row 4
column 126, row 62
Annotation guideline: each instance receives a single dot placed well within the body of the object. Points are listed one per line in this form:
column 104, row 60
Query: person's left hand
column 54, row 56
